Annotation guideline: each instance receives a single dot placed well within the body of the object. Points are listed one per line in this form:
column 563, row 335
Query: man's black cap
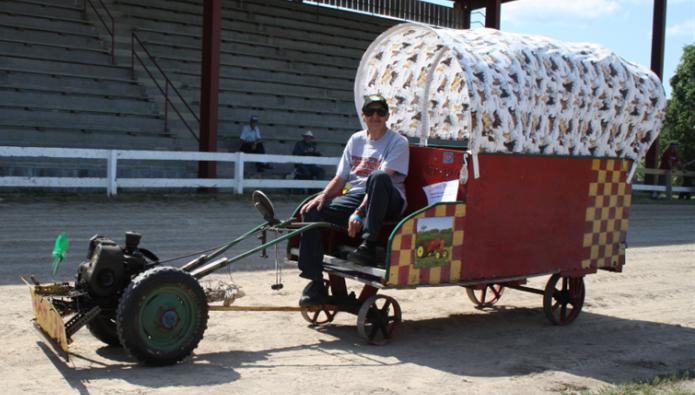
column 371, row 99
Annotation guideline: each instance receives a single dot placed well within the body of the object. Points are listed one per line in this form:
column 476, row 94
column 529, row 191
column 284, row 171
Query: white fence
column 112, row 157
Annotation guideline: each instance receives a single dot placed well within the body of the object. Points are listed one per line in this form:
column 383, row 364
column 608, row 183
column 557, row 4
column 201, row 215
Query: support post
column 657, row 66
column 492, row 14
column 209, row 84
column 239, row 172
column 111, row 172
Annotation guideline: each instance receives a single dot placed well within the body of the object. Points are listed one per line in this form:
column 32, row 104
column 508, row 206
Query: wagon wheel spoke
column 483, row 294
column 497, row 293
column 563, row 312
column 556, row 305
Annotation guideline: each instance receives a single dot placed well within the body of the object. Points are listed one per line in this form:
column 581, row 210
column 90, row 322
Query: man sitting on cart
column 372, row 170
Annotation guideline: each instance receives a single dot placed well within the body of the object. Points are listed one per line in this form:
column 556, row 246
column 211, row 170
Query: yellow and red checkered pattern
column 402, row 272
column 607, row 215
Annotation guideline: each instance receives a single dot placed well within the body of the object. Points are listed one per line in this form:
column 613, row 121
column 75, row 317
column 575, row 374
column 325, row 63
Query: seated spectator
column 307, row 147
column 251, row 141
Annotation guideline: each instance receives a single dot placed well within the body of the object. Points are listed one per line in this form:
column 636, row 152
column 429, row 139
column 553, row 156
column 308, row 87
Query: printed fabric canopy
column 512, row 93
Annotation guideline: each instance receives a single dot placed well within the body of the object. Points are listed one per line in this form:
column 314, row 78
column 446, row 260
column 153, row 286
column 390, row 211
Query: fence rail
column 667, row 185
column 409, row 10
column 112, row 157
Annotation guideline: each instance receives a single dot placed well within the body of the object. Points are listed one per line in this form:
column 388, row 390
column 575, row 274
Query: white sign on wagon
column 446, row 191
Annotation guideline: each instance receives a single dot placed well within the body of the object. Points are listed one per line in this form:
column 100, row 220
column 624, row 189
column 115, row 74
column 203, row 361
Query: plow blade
column 46, row 317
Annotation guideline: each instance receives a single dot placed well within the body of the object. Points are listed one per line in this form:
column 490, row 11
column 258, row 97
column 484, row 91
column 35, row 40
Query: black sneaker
column 365, row 254
column 314, row 295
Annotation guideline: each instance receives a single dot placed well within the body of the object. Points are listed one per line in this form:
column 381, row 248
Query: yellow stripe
column 435, row 275
column 593, row 188
column 406, row 258
column 455, row 271
column 396, row 244
column 457, row 239
column 460, row 210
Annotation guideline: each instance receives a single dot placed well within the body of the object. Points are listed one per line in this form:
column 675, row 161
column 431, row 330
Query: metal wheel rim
column 167, row 318
column 377, row 319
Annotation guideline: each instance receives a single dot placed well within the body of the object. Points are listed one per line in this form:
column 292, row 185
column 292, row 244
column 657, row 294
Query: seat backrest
column 430, row 165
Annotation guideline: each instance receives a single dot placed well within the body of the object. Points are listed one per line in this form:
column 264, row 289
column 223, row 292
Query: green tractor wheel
column 162, row 316
column 103, row 327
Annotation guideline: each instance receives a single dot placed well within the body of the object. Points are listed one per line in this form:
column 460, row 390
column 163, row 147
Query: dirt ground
column 634, row 325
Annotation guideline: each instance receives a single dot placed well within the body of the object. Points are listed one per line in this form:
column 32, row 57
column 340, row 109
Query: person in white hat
column 307, row 147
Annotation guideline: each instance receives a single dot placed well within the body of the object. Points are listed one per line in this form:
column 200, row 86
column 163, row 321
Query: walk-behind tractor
column 538, row 144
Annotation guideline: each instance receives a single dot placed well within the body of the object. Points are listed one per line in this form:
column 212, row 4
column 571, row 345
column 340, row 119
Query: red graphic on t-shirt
column 364, row 166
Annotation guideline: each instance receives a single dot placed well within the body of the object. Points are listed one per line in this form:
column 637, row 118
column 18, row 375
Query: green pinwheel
column 60, row 250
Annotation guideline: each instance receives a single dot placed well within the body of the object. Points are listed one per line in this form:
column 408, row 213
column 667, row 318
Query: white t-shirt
column 362, row 156
column 250, row 135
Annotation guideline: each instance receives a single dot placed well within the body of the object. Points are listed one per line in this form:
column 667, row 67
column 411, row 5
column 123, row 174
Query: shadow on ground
column 597, row 346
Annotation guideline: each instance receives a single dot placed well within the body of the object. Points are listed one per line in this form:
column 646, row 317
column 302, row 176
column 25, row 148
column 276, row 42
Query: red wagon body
column 528, row 215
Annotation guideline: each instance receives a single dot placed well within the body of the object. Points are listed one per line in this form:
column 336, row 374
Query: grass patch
column 662, row 384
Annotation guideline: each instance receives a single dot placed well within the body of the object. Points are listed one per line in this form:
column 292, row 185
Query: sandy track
column 636, row 324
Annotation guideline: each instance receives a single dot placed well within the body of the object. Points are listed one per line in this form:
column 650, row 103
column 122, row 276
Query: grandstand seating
column 293, row 65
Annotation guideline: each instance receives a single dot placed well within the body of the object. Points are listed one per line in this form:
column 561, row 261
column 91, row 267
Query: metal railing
column 112, row 158
column 665, row 182
column 110, row 26
column 409, row 10
column 168, row 85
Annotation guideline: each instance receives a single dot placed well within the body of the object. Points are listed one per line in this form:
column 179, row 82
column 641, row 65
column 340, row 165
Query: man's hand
column 317, row 202
column 355, row 225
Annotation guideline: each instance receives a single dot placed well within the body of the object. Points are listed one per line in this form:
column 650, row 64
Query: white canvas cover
column 512, row 93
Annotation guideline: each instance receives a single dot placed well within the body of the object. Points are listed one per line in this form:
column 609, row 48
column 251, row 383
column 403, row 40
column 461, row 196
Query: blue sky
column 624, row 26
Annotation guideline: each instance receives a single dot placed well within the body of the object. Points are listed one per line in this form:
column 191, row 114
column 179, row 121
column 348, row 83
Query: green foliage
column 680, row 111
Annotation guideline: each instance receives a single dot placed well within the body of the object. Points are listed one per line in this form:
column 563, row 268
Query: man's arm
column 355, row 225
column 332, row 189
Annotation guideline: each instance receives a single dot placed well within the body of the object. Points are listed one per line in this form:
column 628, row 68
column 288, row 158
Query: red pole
column 209, row 84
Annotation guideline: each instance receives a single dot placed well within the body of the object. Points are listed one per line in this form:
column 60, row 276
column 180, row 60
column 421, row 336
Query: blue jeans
column 385, row 203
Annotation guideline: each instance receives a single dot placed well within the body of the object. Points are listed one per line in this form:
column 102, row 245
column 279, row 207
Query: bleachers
column 59, row 88
column 293, row 65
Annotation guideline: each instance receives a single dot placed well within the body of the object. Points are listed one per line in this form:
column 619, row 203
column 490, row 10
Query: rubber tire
column 131, row 330
column 104, row 328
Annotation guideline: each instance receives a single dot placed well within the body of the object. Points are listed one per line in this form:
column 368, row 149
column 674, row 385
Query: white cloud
column 684, row 29
column 547, row 10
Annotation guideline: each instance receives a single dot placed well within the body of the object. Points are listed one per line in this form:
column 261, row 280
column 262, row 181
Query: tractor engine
column 110, row 267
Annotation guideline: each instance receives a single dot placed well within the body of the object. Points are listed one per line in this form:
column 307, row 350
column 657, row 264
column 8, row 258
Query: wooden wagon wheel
column 486, row 296
column 563, row 299
column 377, row 318
column 319, row 315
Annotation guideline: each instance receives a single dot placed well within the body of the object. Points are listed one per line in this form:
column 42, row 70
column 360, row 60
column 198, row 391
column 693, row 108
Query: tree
column 680, row 111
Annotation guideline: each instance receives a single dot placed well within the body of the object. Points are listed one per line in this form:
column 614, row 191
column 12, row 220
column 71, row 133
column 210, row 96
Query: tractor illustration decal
column 433, row 242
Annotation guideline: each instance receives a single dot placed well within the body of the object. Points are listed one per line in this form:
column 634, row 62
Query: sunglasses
column 378, row 111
